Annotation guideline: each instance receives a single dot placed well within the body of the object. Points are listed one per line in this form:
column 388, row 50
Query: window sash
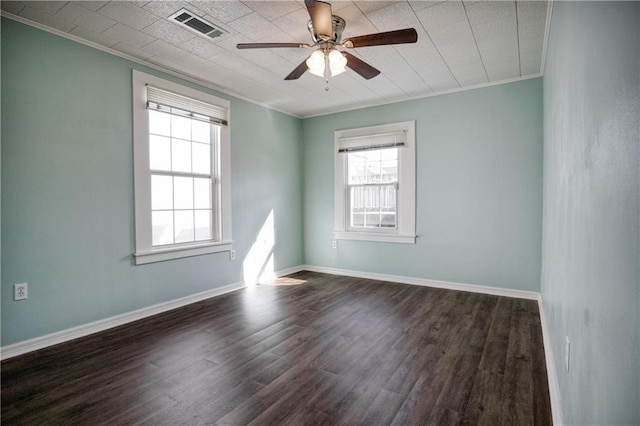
column 368, row 209
column 214, row 190
column 213, row 210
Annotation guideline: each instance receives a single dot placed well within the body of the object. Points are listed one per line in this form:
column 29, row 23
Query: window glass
column 183, row 193
column 201, row 153
column 180, row 127
column 161, row 192
column 181, row 155
column 373, row 166
column 159, row 123
column 202, row 193
column 159, row 152
column 203, row 225
column 162, row 227
column 200, row 131
column 183, row 221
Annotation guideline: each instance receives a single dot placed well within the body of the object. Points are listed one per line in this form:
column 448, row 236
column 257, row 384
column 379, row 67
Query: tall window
column 375, row 183
column 182, row 187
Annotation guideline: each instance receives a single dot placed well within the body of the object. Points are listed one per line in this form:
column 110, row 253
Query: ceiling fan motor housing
column 338, row 28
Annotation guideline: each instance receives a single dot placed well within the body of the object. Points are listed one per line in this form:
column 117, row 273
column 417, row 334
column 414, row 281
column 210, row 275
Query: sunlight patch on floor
column 283, row 281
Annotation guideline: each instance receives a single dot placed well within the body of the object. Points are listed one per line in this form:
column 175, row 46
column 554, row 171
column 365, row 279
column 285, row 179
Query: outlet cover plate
column 20, row 291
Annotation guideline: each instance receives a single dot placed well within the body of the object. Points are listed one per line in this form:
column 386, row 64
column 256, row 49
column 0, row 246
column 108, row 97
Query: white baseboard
column 41, row 342
column 496, row 291
column 552, row 374
column 289, row 271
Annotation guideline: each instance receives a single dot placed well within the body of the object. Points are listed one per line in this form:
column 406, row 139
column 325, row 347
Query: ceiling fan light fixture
column 337, row 62
column 316, row 63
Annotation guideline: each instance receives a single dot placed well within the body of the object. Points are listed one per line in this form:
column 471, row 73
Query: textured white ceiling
column 460, row 44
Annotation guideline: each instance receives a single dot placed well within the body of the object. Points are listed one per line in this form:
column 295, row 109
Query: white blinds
column 163, row 100
column 369, row 142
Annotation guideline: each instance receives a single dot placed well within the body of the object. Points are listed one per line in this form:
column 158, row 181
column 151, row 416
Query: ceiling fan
column 326, row 32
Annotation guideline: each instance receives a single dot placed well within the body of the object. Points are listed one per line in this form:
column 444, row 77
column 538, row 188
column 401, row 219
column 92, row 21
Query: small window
column 181, row 155
column 375, row 183
column 372, row 189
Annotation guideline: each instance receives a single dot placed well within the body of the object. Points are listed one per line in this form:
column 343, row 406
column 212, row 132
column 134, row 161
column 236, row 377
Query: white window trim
column 144, row 252
column 406, row 229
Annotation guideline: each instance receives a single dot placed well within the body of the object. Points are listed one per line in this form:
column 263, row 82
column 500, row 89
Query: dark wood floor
column 316, row 349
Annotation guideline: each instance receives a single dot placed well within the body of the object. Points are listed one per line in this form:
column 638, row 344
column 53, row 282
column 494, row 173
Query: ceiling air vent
column 195, row 23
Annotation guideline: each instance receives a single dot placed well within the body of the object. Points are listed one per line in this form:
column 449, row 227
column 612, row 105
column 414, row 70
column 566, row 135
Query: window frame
column 145, row 252
column 405, row 193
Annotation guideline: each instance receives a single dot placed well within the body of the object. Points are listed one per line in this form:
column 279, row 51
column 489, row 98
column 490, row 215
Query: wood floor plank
column 285, row 386
column 494, row 355
column 443, row 417
column 287, row 402
column 309, row 348
column 421, row 399
column 517, row 388
column 353, row 389
column 303, row 415
column 485, row 400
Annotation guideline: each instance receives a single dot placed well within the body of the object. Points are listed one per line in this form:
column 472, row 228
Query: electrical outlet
column 20, row 291
column 232, row 254
column 334, row 244
column 567, row 351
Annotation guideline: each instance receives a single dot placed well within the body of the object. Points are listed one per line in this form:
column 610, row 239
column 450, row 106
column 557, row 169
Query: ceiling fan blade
column 360, row 66
column 408, row 35
column 269, row 45
column 321, row 17
column 298, row 71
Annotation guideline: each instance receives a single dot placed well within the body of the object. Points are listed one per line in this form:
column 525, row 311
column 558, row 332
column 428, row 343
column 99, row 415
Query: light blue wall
column 67, row 189
column 479, row 189
column 591, row 228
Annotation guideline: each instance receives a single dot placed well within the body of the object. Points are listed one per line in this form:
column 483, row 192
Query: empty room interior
column 304, row 212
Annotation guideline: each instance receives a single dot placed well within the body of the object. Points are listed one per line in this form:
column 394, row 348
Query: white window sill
column 161, row 254
column 374, row 236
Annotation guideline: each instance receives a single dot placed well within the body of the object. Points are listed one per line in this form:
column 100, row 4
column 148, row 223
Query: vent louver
column 195, row 23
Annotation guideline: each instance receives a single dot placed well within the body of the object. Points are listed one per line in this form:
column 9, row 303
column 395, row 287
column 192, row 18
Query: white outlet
column 232, row 254
column 334, row 244
column 20, row 291
column 567, row 351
